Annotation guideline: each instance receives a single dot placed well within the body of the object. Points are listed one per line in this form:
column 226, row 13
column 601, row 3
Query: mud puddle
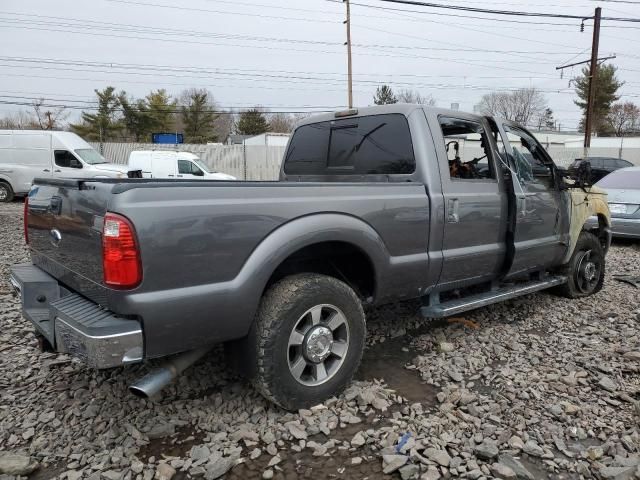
column 387, row 361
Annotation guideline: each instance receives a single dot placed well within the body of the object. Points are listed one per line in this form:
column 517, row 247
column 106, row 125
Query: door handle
column 179, row 176
column 452, row 211
column 58, row 171
column 46, row 170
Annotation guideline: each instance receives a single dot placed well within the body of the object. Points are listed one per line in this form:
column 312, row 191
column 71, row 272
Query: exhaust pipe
column 157, row 379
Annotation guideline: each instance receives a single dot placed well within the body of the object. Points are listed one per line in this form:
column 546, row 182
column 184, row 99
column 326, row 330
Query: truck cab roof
column 405, row 109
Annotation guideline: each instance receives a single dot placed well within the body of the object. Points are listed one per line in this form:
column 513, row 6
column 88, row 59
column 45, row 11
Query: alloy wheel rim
column 318, row 345
column 588, row 272
column 3, row 193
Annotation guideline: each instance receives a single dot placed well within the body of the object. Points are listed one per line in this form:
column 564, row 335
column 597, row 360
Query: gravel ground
column 539, row 387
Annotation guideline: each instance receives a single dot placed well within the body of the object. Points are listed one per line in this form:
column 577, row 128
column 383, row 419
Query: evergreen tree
column 105, row 124
column 252, row 122
column 198, row 116
column 136, row 118
column 161, row 110
column 606, row 89
column 384, row 96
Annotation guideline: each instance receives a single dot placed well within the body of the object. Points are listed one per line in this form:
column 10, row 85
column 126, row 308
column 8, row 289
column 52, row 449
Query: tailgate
column 65, row 233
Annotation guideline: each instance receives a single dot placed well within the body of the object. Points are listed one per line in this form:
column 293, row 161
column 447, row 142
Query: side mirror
column 75, row 163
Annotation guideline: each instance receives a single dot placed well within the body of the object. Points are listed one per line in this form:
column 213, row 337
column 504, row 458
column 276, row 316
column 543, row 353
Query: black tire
column 6, row 192
column 289, row 304
column 582, row 281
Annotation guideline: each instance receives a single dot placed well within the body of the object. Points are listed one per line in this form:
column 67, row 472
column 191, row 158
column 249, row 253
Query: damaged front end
column 588, row 211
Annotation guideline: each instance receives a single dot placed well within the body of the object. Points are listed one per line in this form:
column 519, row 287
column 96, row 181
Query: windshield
column 90, row 156
column 621, row 179
column 202, row 165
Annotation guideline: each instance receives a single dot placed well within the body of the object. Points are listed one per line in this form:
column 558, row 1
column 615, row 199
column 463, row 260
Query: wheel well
column 341, row 260
column 601, row 231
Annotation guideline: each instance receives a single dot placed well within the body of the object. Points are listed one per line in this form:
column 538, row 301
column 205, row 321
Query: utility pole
column 348, row 44
column 593, row 73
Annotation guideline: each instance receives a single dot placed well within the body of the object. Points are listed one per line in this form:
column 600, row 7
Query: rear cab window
column 371, row 145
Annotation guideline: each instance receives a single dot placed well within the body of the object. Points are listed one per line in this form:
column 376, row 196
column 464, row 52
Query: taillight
column 120, row 255
column 25, row 220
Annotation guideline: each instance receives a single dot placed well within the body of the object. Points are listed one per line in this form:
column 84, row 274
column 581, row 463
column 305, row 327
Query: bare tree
column 49, row 118
column 624, row 118
column 20, row 120
column 413, row 96
column 280, row 122
column 522, row 105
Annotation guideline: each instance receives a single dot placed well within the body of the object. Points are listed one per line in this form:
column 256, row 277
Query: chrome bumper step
column 75, row 325
column 459, row 305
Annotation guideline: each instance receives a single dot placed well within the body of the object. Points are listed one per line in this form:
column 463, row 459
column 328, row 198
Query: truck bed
column 209, row 247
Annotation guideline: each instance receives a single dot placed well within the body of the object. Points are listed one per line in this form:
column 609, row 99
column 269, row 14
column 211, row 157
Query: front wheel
column 309, row 337
column 6, row 192
column 585, row 270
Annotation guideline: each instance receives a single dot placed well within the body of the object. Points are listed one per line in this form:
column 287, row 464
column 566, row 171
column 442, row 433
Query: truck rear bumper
column 74, row 325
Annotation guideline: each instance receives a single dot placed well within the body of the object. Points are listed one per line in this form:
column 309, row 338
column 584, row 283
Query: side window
column 596, row 163
column 467, row 147
column 377, row 144
column 622, row 163
column 528, row 157
column 64, row 158
column 184, row 166
column 195, row 170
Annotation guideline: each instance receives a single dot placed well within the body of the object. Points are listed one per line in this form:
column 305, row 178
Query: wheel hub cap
column 590, row 271
column 317, row 345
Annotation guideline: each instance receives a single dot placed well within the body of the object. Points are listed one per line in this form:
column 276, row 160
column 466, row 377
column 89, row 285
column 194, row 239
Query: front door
column 538, row 231
column 188, row 169
column 66, row 165
column 476, row 203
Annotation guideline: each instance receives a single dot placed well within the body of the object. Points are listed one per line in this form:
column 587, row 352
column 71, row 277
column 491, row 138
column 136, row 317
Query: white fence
column 243, row 162
column 253, row 162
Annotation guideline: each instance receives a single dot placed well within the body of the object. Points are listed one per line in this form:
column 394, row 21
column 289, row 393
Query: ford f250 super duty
column 373, row 206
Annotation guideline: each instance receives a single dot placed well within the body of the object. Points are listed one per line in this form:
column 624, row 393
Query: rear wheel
column 309, row 337
column 585, row 270
column 6, row 192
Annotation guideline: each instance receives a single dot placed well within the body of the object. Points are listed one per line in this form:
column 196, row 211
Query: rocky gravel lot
column 540, row 387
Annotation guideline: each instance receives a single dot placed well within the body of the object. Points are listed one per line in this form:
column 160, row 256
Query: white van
column 172, row 164
column 29, row 154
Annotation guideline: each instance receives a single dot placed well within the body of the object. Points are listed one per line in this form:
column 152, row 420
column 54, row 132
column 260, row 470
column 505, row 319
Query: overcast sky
column 290, row 55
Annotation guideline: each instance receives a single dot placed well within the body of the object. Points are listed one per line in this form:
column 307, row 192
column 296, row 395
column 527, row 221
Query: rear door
column 475, row 197
column 540, row 227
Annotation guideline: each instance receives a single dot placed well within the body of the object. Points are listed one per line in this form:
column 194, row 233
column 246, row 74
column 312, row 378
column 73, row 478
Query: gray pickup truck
column 373, row 206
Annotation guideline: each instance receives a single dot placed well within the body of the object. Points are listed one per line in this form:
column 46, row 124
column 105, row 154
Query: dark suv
column 600, row 166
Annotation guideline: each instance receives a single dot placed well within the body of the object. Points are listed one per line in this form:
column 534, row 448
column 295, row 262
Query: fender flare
column 581, row 211
column 302, row 232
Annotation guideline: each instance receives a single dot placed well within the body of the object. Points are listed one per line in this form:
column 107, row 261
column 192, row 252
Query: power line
column 486, row 10
column 518, row 13
column 111, row 26
column 473, row 17
column 206, row 110
column 222, row 12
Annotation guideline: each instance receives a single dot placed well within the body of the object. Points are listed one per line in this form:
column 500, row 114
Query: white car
column 172, row 164
column 29, row 154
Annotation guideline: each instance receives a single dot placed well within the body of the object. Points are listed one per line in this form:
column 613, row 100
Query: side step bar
column 459, row 305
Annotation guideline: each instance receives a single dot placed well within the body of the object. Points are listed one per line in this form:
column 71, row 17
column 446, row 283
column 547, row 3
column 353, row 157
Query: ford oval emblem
column 55, row 236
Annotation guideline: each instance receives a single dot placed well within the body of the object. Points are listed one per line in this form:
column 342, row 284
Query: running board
column 453, row 307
